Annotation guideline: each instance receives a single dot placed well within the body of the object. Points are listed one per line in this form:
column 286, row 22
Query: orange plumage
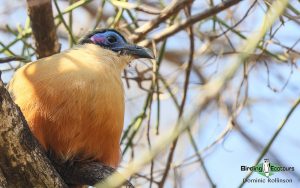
column 74, row 102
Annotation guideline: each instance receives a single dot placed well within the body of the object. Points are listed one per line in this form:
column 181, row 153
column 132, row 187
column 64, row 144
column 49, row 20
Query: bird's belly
column 79, row 124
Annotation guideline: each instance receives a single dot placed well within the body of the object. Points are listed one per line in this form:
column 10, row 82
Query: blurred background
column 239, row 125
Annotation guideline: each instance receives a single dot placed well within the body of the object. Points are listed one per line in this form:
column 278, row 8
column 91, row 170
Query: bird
column 73, row 101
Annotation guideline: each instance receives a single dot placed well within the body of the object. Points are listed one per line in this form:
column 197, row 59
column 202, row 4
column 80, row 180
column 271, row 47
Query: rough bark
column 43, row 27
column 22, row 160
column 3, row 182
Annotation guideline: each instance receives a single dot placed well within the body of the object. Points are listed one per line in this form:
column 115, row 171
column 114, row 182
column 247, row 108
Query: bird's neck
column 103, row 56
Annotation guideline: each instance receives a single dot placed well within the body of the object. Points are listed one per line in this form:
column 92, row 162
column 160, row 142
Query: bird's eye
column 112, row 39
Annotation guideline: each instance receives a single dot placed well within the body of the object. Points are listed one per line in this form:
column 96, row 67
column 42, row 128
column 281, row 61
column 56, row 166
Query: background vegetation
column 223, row 85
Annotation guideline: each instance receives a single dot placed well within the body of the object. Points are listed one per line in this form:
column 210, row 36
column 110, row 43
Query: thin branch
column 13, row 58
column 139, row 7
column 169, row 11
column 182, row 105
column 190, row 21
column 68, row 28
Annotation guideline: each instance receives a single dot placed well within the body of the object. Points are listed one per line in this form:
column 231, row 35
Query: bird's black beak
column 136, row 51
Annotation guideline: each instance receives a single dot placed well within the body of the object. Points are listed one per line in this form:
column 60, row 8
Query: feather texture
column 74, row 102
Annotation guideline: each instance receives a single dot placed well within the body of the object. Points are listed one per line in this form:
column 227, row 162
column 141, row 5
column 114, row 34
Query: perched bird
column 74, row 101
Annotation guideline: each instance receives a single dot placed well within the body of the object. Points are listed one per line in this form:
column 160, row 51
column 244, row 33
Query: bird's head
column 110, row 39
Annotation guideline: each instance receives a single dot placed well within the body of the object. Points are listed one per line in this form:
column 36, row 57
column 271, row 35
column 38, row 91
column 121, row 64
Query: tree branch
column 43, row 27
column 169, row 11
column 189, row 21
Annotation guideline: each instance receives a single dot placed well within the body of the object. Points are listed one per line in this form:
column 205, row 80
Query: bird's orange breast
column 74, row 105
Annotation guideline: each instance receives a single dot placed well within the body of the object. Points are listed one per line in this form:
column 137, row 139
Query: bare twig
column 138, row 7
column 169, row 11
column 182, row 105
column 13, row 58
column 190, row 21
